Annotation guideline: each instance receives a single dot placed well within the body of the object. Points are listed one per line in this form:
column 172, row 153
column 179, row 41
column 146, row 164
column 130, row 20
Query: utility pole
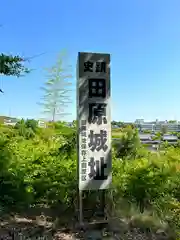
column 9, row 112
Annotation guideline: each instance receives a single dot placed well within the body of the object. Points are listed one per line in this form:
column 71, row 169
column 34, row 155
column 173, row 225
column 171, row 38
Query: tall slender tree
column 56, row 89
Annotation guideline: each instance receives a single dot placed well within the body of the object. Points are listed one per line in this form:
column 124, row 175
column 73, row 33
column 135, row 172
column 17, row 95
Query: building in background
column 42, row 124
column 144, row 126
column 173, row 127
column 148, row 126
column 11, row 122
column 170, row 138
column 157, row 126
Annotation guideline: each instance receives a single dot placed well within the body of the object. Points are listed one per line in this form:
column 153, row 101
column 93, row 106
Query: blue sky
column 143, row 38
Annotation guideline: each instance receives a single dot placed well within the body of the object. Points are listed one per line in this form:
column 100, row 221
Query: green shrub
column 128, row 143
column 38, row 166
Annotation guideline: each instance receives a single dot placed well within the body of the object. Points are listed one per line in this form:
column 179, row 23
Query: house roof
column 170, row 137
column 145, row 136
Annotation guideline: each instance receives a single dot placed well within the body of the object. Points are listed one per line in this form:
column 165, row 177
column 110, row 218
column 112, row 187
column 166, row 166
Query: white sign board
column 94, row 121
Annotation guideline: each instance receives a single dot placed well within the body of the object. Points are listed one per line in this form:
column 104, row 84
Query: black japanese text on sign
column 93, row 86
column 83, row 150
column 90, row 66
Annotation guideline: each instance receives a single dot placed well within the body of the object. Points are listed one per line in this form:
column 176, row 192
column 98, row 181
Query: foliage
column 38, row 166
column 56, row 90
column 164, row 129
column 172, row 121
column 147, row 131
column 158, row 136
column 26, row 128
column 118, row 124
column 12, row 65
column 128, row 143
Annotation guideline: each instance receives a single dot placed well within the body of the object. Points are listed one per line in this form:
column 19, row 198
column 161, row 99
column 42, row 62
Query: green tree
column 139, row 127
column 12, row 66
column 128, row 144
column 56, row 90
column 113, row 123
column 172, row 121
column 31, row 123
column 120, row 124
column 157, row 136
column 74, row 123
column 26, row 128
column 164, row 129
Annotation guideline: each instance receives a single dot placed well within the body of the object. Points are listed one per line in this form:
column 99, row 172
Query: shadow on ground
column 46, row 224
column 38, row 223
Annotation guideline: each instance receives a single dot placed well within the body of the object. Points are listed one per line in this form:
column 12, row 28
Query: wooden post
column 81, row 208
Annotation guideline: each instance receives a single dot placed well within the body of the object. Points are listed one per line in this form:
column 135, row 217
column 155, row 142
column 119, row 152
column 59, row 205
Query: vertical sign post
column 94, row 122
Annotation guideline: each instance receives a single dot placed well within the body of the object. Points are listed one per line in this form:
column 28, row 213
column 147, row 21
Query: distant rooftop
column 169, row 137
column 12, row 120
column 145, row 136
column 142, row 121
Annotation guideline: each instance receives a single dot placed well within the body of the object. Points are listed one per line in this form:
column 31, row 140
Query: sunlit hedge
column 38, row 166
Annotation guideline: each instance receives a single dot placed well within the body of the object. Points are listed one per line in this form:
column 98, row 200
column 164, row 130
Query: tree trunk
column 54, row 113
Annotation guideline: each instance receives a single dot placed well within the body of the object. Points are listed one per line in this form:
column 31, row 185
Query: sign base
column 94, row 225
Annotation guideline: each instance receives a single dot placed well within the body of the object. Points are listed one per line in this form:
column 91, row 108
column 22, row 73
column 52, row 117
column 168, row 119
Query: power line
column 34, row 56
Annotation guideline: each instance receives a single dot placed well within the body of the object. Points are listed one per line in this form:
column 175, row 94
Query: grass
column 116, row 133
